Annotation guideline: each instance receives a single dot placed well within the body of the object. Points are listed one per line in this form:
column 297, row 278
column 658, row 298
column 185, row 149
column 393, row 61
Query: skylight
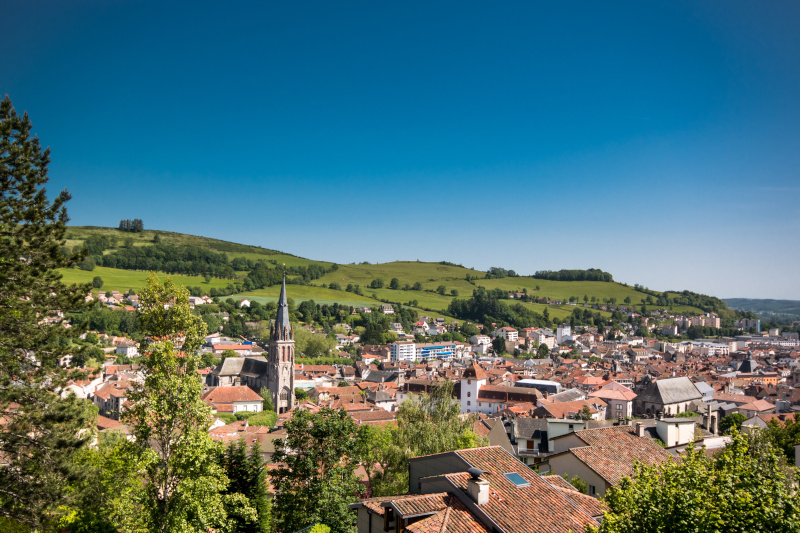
column 516, row 479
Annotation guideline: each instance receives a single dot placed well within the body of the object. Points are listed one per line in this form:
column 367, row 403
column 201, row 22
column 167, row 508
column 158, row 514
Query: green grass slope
column 429, row 275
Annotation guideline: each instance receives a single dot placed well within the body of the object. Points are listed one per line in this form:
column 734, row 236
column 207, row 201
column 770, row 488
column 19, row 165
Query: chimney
column 639, row 429
column 478, row 488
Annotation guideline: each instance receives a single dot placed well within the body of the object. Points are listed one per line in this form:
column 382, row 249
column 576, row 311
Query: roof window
column 516, row 479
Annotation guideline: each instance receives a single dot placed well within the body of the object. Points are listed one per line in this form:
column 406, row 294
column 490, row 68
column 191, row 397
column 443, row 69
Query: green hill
column 457, row 281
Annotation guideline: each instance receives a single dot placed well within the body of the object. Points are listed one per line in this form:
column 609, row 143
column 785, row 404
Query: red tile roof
column 612, row 451
column 474, row 372
column 536, row 507
column 239, row 393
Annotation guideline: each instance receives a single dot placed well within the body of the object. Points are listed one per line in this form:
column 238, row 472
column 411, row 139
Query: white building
column 402, row 351
column 509, row 334
column 472, row 380
column 563, row 333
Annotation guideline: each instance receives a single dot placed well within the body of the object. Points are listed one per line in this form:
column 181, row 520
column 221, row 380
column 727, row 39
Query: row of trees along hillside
column 592, row 274
column 709, row 304
column 134, row 226
column 196, row 260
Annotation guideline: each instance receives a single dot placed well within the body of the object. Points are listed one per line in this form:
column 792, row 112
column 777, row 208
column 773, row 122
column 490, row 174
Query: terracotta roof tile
column 536, row 507
column 612, row 451
column 237, row 393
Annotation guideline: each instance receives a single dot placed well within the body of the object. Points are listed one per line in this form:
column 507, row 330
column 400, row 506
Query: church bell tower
column 280, row 377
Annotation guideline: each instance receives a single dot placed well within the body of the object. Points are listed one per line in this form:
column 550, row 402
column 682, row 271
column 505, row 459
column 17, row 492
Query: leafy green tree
column 268, row 405
column 377, row 283
column 107, row 498
column 417, row 286
column 246, row 473
column 454, row 292
column 426, row 424
column 784, row 435
column 579, row 484
column 97, row 282
column 373, row 333
column 169, row 420
column 499, row 345
column 394, row 284
column 742, row 489
column 300, row 394
column 542, row 351
column 264, row 418
column 39, row 437
column 309, row 344
column 316, row 481
column 441, row 289
column 731, row 422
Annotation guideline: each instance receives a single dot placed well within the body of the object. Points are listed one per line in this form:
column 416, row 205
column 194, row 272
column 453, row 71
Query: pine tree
column 40, row 430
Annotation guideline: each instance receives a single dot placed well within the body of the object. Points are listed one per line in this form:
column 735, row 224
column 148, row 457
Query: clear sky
column 659, row 141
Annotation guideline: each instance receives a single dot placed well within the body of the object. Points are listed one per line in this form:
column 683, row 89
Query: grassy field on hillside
column 115, row 279
column 300, row 293
column 78, row 234
column 562, row 290
column 429, row 275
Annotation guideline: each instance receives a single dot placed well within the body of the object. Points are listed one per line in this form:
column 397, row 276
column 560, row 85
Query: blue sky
column 659, row 141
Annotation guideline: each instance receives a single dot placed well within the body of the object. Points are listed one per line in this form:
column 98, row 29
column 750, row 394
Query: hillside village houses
column 599, row 401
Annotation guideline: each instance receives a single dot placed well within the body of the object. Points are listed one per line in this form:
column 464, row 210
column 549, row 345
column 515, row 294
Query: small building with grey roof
column 670, row 396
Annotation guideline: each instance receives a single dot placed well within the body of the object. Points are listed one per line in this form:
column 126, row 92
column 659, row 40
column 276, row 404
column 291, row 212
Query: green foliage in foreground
column 746, row 488
column 426, row 424
column 317, row 481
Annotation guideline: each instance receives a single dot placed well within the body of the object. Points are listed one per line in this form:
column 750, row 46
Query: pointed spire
column 282, row 329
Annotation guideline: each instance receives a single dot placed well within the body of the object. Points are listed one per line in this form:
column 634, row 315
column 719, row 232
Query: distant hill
column 426, row 286
column 767, row 308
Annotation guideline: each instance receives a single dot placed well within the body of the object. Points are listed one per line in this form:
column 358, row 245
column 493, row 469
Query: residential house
column 235, row 399
column 481, row 490
column 602, row 457
column 619, row 399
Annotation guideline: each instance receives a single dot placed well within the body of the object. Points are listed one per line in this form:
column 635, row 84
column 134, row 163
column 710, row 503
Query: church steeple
column 280, row 373
column 282, row 330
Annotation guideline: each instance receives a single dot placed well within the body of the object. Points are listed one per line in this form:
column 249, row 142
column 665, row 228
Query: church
column 276, row 372
column 280, row 358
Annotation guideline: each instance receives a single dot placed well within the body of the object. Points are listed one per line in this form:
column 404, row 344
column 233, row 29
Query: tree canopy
column 169, row 420
column 316, row 481
column 744, row 488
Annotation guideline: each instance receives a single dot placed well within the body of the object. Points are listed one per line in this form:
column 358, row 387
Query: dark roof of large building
column 748, row 366
column 231, row 366
column 669, row 391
